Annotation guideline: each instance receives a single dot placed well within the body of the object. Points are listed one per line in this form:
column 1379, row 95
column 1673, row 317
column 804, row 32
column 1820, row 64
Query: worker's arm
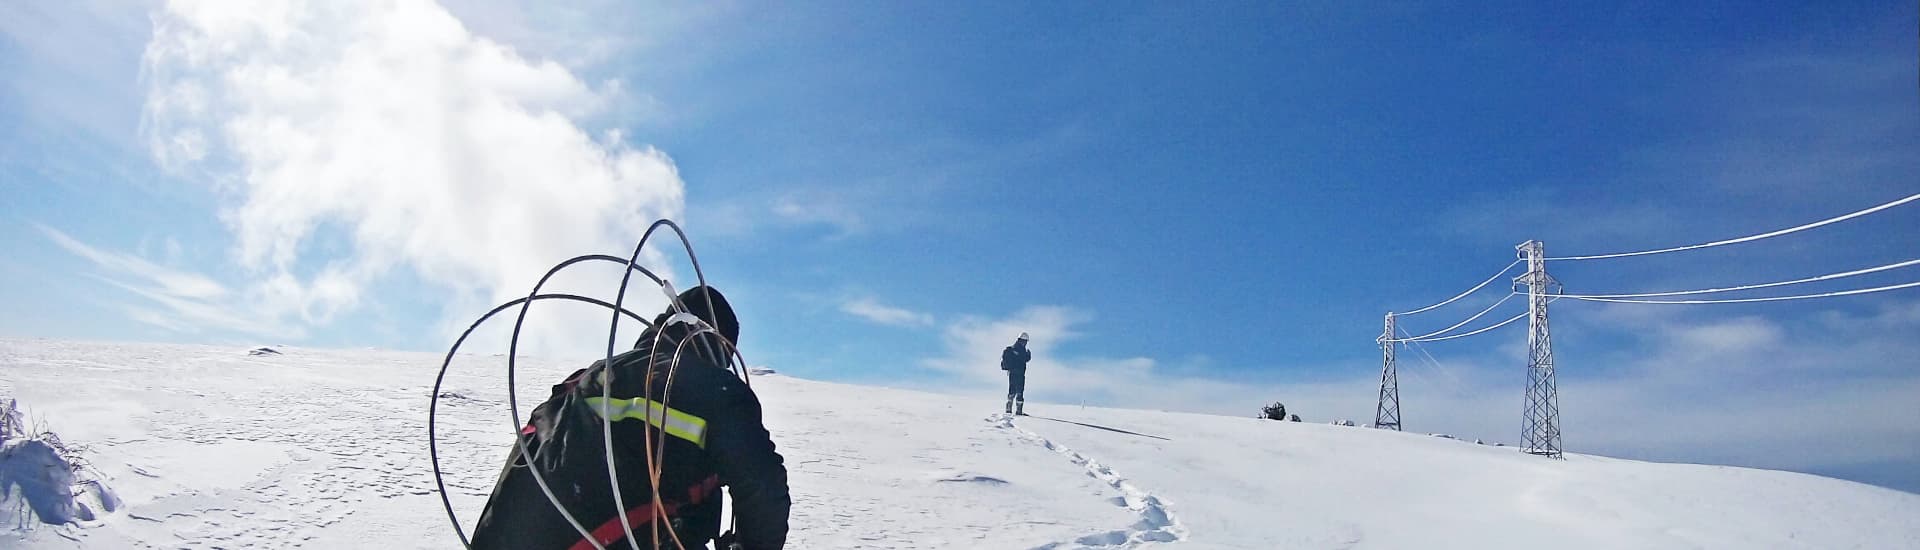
column 754, row 474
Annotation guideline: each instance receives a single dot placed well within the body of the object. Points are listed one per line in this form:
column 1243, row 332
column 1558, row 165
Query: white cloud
column 1666, row 383
column 972, row 359
column 974, row 343
column 872, row 310
column 389, row 127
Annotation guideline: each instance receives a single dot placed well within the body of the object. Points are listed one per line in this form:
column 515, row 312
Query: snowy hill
column 211, row 447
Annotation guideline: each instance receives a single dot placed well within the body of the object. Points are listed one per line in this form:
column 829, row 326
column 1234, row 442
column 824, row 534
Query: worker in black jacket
column 706, row 424
column 1014, row 361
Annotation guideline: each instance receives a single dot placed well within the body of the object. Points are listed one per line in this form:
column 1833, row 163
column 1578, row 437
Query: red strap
column 611, row 531
column 643, row 514
column 698, row 492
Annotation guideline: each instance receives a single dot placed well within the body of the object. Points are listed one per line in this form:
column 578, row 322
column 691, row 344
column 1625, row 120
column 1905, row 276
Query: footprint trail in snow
column 1156, row 524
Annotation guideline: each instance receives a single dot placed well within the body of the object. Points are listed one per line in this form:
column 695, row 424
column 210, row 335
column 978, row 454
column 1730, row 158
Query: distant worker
column 1014, row 361
column 676, row 389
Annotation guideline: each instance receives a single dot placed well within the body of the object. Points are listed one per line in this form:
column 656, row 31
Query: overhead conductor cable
column 1827, row 277
column 1749, row 238
column 1509, row 321
column 1503, row 299
column 1476, row 288
column 1751, row 300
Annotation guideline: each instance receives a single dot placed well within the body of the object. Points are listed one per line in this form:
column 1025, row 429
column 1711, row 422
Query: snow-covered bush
column 45, row 480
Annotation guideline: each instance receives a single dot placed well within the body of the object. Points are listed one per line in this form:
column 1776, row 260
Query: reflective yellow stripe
column 673, row 421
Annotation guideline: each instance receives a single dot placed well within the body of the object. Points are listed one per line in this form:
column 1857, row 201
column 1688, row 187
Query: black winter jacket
column 1015, row 359
column 565, row 441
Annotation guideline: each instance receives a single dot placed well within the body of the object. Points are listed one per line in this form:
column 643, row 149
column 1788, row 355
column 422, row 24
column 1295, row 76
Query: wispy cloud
column 917, row 185
column 1803, row 125
column 168, row 281
column 190, row 302
column 820, row 209
column 838, row 213
column 872, row 310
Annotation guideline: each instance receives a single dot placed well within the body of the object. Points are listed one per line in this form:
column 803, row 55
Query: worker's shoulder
column 696, row 375
column 688, row 372
column 705, row 374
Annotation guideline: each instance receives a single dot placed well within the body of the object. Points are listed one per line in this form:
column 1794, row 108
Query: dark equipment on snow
column 1276, row 411
column 638, row 444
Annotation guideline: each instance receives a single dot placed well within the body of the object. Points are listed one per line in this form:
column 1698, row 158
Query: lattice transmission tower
column 1541, row 435
column 1386, row 415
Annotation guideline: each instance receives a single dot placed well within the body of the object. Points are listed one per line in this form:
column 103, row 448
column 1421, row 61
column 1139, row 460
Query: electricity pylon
column 1541, row 435
column 1387, row 414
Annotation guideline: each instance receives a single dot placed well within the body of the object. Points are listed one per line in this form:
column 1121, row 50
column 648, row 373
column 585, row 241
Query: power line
column 1475, row 288
column 1503, row 299
column 1827, row 277
column 1748, row 300
column 1435, row 363
column 1522, row 315
column 1749, row 238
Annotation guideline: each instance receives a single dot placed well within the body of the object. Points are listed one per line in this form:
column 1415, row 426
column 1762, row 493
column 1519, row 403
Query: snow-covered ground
column 210, row 447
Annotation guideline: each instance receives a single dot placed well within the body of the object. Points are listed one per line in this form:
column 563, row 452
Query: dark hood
column 709, row 305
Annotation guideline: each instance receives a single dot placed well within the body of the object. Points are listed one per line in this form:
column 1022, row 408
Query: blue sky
column 1191, row 207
